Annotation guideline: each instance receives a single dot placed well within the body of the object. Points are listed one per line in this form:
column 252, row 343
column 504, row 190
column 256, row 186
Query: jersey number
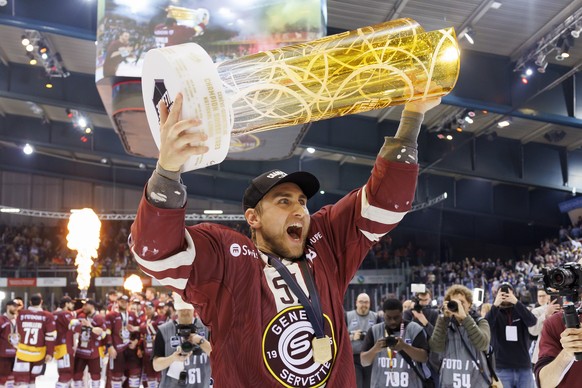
column 30, row 335
column 280, row 284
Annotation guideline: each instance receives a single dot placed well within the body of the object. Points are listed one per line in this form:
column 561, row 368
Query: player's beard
column 275, row 245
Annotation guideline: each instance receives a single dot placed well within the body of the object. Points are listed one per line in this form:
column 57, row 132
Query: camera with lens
column 391, row 341
column 183, row 378
column 417, row 306
column 453, row 306
column 184, row 332
column 564, row 280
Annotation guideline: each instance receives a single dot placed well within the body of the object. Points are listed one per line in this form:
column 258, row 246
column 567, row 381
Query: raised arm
column 437, row 341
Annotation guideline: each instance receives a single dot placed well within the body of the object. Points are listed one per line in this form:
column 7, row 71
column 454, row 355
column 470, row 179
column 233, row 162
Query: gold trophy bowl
column 357, row 71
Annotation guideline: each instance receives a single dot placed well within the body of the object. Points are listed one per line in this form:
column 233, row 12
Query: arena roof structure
column 515, row 173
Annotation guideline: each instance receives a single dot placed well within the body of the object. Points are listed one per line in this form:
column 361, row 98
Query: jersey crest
column 288, row 353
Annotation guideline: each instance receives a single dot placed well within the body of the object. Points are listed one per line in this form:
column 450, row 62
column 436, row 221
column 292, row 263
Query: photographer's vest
column 458, row 368
column 389, row 368
column 197, row 367
column 358, row 322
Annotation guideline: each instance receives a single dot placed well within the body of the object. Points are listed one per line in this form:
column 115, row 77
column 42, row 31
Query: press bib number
column 461, row 380
column 396, row 379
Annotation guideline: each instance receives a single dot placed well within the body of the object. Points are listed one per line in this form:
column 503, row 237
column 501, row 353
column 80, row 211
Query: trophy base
column 188, row 69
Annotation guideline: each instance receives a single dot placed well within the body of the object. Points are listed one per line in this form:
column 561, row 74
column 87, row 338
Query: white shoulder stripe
column 180, row 259
column 375, row 237
column 177, row 283
column 51, row 333
column 377, row 214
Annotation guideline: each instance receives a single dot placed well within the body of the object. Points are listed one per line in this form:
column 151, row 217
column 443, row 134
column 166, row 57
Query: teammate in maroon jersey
column 171, row 33
column 162, row 311
column 8, row 343
column 120, row 324
column 277, row 297
column 91, row 330
column 150, row 296
column 112, row 300
column 64, row 321
column 37, row 334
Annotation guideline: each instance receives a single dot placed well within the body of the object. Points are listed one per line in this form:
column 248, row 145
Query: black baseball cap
column 12, row 303
column 261, row 185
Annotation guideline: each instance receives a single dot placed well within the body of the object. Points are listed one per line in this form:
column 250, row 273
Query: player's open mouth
column 295, row 231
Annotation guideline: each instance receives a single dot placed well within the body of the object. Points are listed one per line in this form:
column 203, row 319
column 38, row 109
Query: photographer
column 509, row 320
column 422, row 312
column 359, row 321
column 395, row 350
column 462, row 336
column 558, row 363
column 425, row 315
column 556, row 366
column 181, row 351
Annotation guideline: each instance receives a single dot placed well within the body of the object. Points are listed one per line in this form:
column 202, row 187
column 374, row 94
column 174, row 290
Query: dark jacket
column 511, row 354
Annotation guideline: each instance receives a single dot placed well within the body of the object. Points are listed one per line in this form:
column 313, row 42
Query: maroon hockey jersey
column 148, row 330
column 65, row 340
column 8, row 337
column 88, row 343
column 250, row 310
column 119, row 327
column 36, row 329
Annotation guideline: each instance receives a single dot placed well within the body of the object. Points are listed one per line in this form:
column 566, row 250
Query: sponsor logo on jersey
column 315, row 238
column 310, row 254
column 287, row 350
column 235, row 250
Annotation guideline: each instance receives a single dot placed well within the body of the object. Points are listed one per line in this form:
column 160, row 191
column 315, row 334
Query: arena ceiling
column 544, row 113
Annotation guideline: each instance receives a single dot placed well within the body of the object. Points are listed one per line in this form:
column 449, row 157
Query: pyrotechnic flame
column 133, row 283
column 84, row 227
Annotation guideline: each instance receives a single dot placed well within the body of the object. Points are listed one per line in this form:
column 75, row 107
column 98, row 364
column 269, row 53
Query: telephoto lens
column 187, row 346
column 453, row 306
